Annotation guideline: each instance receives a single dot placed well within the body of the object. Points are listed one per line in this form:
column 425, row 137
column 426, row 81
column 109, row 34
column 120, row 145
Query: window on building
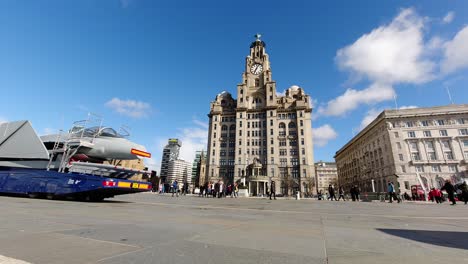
column 430, row 145
column 302, row 141
column 415, row 156
column 407, row 185
column 409, row 124
column 419, row 168
column 440, row 122
column 448, row 155
column 436, row 168
column 427, row 133
column 411, row 134
column 400, row 156
column 431, row 155
column 398, row 145
column 425, row 123
column 453, row 168
column 303, row 151
column 465, row 154
column 413, row 145
column 301, row 122
column 403, row 168
column 396, row 134
column 445, row 144
column 272, row 151
column 443, row 133
column 465, row 143
column 463, row 132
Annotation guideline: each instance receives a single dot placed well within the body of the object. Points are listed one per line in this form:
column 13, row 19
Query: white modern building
column 180, row 170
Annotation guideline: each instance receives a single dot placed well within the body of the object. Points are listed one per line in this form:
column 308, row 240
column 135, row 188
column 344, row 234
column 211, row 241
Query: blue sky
column 155, row 66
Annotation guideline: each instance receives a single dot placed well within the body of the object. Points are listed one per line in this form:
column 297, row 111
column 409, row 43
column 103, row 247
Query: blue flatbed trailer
column 37, row 183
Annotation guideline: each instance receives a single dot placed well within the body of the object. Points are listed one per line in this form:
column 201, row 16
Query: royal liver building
column 261, row 136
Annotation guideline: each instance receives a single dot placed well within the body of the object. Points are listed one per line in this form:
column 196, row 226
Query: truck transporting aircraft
column 67, row 165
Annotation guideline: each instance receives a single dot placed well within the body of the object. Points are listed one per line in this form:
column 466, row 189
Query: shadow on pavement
column 450, row 239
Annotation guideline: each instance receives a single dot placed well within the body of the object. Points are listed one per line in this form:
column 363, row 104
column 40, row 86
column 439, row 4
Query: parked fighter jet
column 96, row 144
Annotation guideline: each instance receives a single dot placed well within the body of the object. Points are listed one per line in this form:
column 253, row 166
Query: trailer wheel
column 33, row 195
column 50, row 196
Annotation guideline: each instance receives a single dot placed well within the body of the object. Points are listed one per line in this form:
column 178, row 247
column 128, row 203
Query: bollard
column 298, row 195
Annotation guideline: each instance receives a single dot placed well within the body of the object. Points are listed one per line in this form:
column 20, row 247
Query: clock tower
column 257, row 83
column 261, row 137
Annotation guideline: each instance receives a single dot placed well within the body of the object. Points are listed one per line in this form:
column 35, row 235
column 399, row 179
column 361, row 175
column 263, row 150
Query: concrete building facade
column 261, row 136
column 170, row 153
column 326, row 173
column 420, row 146
column 181, row 171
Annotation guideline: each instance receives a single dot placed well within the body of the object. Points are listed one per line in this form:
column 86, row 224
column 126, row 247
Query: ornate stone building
column 326, row 174
column 261, row 136
column 421, row 146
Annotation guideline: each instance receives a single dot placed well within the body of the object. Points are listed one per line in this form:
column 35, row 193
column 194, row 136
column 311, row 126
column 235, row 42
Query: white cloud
column 369, row 117
column 391, row 53
column 200, row 123
column 448, row 18
column 351, row 99
column 388, row 55
column 456, row 52
column 3, row 120
column 131, row 108
column 408, row 107
column 323, row 134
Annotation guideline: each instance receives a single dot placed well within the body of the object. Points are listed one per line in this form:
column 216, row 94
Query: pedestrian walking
column 464, row 188
column 331, row 193
column 391, row 193
column 175, row 188
column 450, row 189
column 236, row 190
column 273, row 189
column 341, row 193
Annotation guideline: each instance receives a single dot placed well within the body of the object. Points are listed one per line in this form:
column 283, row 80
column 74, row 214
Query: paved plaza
column 150, row 228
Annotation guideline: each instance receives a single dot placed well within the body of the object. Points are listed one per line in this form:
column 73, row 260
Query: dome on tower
column 258, row 42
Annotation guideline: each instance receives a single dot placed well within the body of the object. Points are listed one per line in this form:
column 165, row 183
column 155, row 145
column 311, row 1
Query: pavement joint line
column 324, row 240
column 121, row 254
column 305, row 212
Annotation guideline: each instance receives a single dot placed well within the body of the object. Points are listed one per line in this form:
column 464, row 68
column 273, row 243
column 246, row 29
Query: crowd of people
column 331, row 195
column 219, row 189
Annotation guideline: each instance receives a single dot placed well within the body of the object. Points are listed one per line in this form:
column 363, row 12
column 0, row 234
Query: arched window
column 232, row 127
column 282, row 129
column 223, row 102
column 224, row 128
column 292, row 125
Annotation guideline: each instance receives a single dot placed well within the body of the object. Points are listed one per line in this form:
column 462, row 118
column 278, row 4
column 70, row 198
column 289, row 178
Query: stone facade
column 326, row 174
column 261, row 136
column 420, row 146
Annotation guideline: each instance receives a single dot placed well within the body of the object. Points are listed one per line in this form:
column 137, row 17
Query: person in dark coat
column 331, row 192
column 464, row 188
column 273, row 190
column 450, row 189
column 341, row 193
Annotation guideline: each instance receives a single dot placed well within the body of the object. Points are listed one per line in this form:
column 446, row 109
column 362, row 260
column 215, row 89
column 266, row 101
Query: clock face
column 256, row 69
